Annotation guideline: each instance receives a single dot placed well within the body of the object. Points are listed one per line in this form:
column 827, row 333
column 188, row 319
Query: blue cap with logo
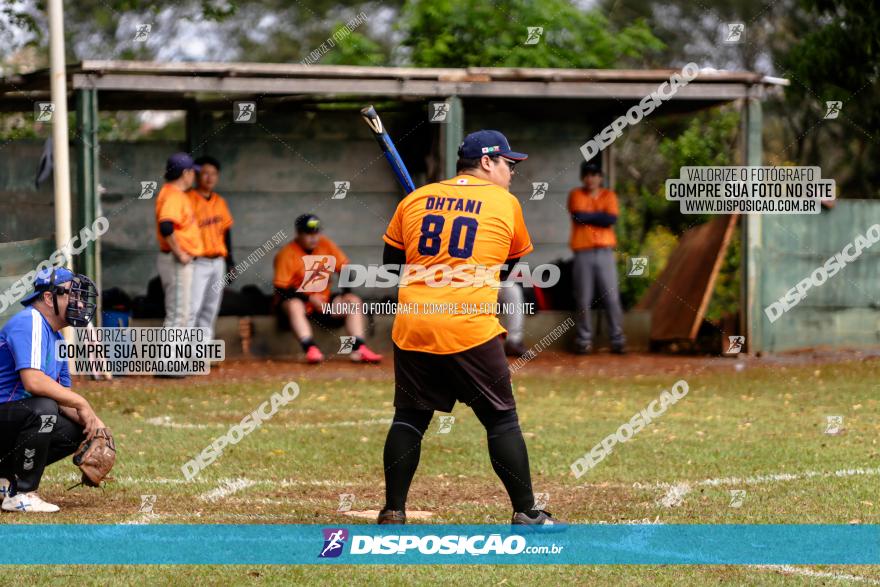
column 178, row 163
column 43, row 281
column 487, row 142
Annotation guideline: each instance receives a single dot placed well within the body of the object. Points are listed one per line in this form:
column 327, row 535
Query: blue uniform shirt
column 28, row 342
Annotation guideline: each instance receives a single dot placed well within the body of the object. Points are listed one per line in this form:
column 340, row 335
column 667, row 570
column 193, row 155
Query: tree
column 463, row 33
column 839, row 60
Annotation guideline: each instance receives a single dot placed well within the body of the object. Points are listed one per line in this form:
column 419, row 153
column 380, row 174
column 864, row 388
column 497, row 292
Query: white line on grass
column 227, row 487
column 675, row 492
column 262, row 482
column 167, row 422
column 790, row 570
column 144, row 518
column 344, row 424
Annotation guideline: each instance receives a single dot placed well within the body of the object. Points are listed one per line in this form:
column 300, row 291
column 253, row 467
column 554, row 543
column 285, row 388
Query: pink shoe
column 314, row 355
column 365, row 355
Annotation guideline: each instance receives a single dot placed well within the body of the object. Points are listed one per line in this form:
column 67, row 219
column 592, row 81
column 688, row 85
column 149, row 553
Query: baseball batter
column 443, row 357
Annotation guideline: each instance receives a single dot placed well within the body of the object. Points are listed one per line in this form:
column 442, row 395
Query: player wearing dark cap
column 593, row 212
column 180, row 241
column 441, row 357
column 302, row 283
column 41, row 419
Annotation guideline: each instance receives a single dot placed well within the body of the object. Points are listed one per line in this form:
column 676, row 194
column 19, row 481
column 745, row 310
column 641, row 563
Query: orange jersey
column 173, row 205
column 458, row 222
column 586, row 236
column 293, row 270
column 214, row 219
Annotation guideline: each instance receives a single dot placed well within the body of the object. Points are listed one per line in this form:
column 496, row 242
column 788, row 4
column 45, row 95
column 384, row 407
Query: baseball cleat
column 365, row 355
column 535, row 518
column 583, row 349
column 314, row 355
column 4, row 488
column 28, row 502
column 391, row 517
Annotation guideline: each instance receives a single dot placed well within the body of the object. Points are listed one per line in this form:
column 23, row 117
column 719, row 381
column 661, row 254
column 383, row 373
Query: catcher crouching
column 41, row 419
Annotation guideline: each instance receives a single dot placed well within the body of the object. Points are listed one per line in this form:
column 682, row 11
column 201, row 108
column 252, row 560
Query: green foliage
column 649, row 225
column 356, row 49
column 657, row 245
column 726, row 296
column 709, row 139
column 838, row 59
column 462, row 33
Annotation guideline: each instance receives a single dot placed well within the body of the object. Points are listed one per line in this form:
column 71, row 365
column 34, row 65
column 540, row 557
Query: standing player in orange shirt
column 593, row 212
column 214, row 221
column 179, row 239
column 454, row 354
column 302, row 281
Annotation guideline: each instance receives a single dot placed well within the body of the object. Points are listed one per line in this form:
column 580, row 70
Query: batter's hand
column 184, row 258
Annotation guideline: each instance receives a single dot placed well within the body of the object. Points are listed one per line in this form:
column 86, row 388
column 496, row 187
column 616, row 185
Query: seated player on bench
column 302, row 283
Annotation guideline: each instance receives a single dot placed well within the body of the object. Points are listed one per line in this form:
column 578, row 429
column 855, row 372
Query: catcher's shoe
column 314, row 355
column 535, row 518
column 365, row 355
column 28, row 502
column 391, row 517
column 4, row 488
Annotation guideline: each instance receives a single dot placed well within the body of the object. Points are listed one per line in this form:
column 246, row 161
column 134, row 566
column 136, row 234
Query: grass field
column 758, row 428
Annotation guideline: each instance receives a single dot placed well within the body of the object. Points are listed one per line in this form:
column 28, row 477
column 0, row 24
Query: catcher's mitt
column 96, row 457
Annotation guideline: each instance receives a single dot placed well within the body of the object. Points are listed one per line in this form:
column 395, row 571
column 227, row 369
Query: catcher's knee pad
column 417, row 420
column 499, row 423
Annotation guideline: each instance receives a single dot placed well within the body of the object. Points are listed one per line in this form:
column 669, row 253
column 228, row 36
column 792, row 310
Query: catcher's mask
column 83, row 300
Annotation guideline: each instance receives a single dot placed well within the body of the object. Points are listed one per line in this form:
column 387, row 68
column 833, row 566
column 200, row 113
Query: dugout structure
column 307, row 135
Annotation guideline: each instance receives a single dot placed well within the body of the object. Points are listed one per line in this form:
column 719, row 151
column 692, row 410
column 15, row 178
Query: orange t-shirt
column 292, row 262
column 587, row 236
column 173, row 205
column 457, row 222
column 214, row 219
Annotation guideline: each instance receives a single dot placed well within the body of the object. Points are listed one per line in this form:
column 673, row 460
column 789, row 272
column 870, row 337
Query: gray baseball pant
column 207, row 291
column 596, row 268
column 177, row 284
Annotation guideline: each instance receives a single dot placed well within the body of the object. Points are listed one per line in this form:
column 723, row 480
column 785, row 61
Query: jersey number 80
column 432, row 227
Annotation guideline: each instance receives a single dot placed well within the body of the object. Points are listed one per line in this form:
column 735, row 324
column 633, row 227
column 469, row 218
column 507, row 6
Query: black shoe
column 391, row 517
column 618, row 350
column 536, row 518
column 514, row 349
column 583, row 349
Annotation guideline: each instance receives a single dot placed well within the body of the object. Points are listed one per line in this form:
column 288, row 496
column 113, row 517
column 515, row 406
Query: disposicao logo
column 334, row 541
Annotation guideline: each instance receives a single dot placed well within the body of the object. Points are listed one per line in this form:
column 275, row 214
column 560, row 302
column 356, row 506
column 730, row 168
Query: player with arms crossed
column 441, row 358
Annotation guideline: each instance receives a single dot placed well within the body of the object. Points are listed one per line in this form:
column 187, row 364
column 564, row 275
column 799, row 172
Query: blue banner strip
column 439, row 544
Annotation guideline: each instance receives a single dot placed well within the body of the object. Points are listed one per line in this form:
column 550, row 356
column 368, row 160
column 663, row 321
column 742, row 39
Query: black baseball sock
column 509, row 456
column 307, row 343
column 358, row 343
column 403, row 448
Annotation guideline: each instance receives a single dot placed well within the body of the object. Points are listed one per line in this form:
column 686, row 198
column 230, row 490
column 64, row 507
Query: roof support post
column 751, row 314
column 451, row 135
column 88, row 204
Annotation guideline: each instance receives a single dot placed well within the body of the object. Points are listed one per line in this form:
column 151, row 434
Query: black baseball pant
column 33, row 434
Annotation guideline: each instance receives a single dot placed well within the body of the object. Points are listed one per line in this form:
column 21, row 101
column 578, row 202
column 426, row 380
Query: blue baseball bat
column 387, row 146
